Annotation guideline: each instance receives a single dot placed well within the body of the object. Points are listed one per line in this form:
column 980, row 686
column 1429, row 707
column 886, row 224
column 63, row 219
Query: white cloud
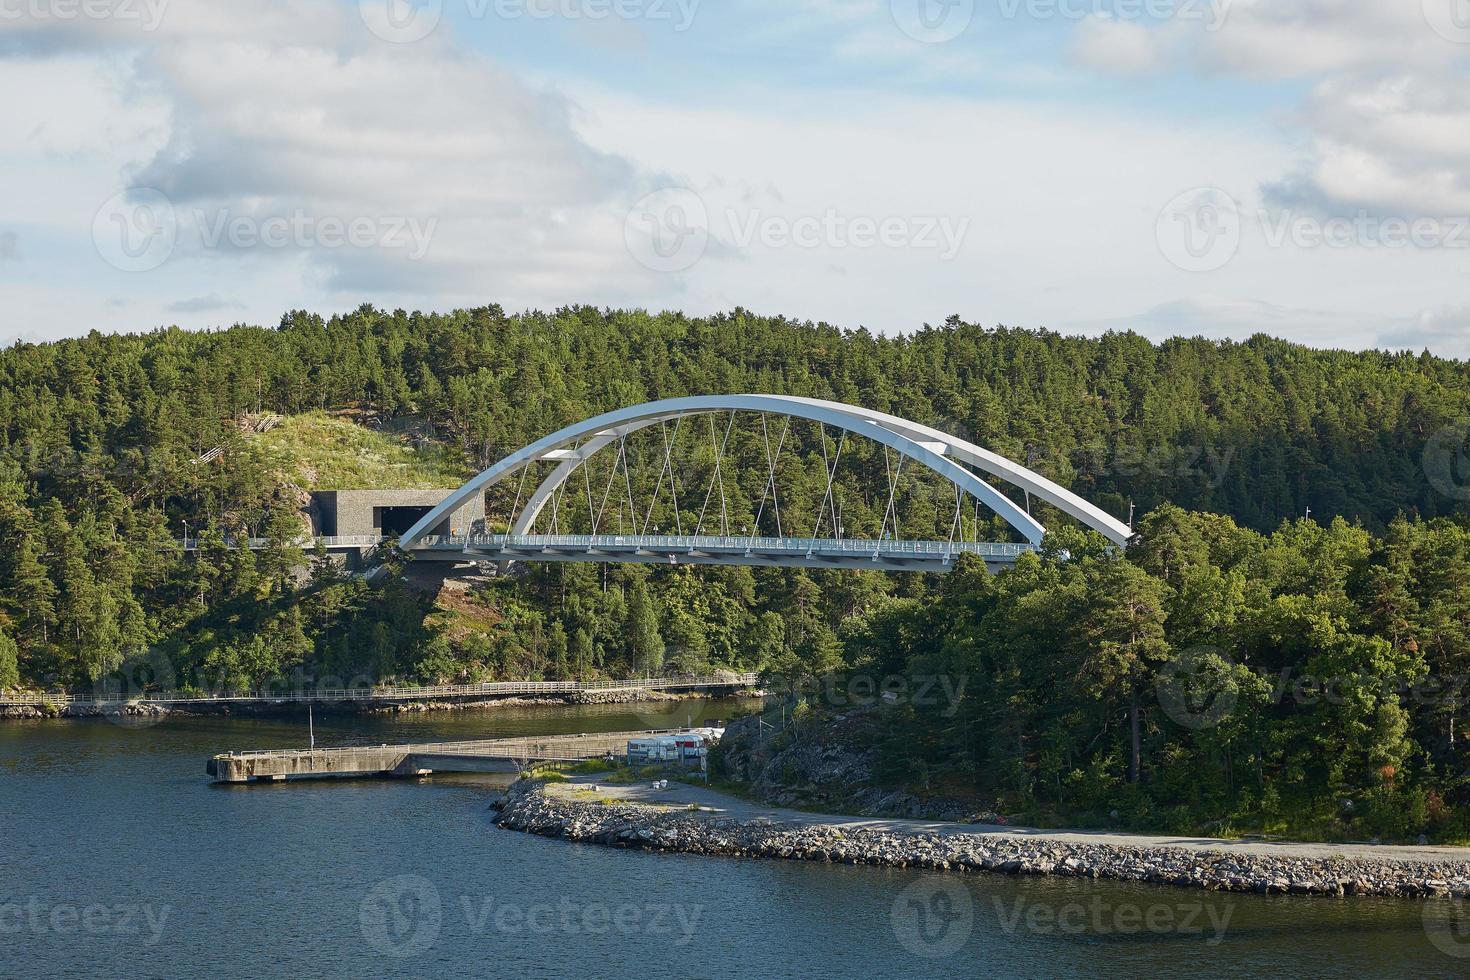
column 334, row 126
column 1395, row 145
column 1120, row 47
column 1310, row 38
column 1386, row 126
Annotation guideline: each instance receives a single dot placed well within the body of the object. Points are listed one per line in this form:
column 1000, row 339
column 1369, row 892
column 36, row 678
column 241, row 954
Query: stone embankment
column 526, row 807
column 268, row 707
column 125, row 711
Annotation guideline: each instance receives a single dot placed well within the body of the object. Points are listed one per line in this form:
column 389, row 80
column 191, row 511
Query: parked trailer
column 688, row 747
column 661, row 748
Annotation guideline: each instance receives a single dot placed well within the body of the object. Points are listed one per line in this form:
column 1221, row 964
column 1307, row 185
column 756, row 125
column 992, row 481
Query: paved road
column 680, row 794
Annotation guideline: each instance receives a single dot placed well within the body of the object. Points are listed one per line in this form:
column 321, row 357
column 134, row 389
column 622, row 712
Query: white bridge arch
column 953, row 458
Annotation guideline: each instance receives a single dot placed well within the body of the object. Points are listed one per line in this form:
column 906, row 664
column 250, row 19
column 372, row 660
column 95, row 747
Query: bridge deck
column 685, row 549
column 488, row 755
column 894, row 555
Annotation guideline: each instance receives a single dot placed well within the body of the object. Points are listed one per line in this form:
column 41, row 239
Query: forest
column 1303, row 548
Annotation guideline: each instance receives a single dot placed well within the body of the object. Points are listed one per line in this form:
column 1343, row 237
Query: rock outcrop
column 828, row 766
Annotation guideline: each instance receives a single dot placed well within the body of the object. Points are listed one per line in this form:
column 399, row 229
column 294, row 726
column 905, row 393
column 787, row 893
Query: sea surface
column 119, row 858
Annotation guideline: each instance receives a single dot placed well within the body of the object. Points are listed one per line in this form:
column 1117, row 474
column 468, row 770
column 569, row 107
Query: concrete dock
column 490, row 755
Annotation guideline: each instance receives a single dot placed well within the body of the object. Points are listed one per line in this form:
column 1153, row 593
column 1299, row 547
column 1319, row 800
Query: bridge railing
column 824, row 546
column 328, row 541
column 397, row 692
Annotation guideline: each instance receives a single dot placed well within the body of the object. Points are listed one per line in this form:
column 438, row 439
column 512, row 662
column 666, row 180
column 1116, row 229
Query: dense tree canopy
column 1221, row 446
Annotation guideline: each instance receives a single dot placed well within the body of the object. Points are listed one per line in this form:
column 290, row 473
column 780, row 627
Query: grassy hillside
column 325, row 451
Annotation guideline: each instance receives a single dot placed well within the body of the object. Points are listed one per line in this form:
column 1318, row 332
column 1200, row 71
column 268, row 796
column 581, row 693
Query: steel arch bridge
column 959, row 462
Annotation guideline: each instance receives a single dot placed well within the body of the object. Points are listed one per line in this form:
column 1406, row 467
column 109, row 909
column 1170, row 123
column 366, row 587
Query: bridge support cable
column 520, row 487
column 628, row 482
column 718, row 477
column 673, row 473
column 891, row 508
column 831, row 469
column 770, row 487
column 666, row 467
column 611, row 478
column 958, row 522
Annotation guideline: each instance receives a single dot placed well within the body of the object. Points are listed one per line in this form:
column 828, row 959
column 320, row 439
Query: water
column 118, row 858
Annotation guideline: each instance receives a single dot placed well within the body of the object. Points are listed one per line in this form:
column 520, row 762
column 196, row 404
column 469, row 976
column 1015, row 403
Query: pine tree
column 645, row 643
column 9, row 661
column 34, row 592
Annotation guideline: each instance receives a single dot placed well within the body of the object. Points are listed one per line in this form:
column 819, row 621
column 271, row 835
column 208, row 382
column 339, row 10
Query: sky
column 1197, row 167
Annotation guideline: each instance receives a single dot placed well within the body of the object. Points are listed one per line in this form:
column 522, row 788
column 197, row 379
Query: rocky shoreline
column 527, row 808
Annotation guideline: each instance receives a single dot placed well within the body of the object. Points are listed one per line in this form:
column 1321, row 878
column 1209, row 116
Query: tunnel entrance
column 394, row 521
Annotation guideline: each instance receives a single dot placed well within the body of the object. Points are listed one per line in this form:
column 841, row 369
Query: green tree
column 645, row 642
column 1123, row 629
column 9, row 661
